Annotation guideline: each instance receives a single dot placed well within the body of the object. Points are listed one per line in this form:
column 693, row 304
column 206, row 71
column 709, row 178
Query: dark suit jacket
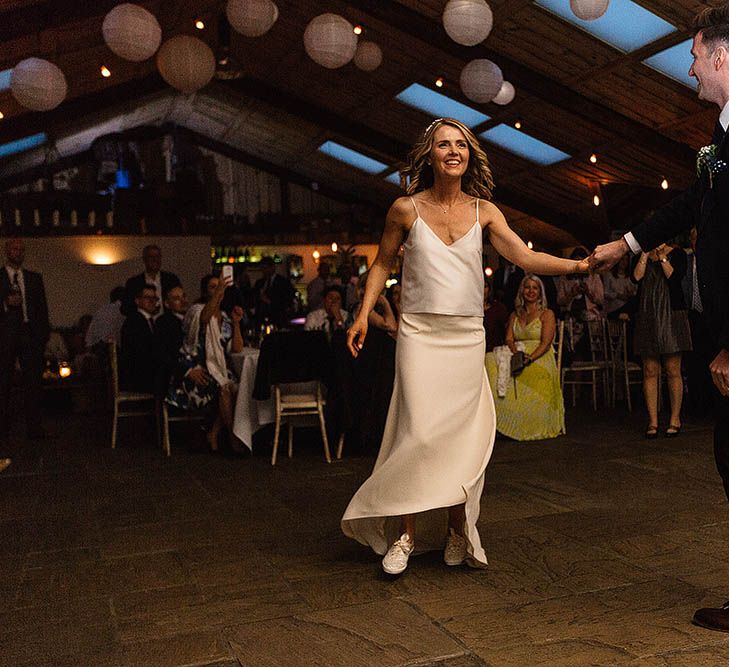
column 138, row 364
column 707, row 206
column 135, row 283
column 168, row 340
column 281, row 294
column 35, row 302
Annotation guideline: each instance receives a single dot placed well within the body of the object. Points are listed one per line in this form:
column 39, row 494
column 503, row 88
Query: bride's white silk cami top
column 442, row 279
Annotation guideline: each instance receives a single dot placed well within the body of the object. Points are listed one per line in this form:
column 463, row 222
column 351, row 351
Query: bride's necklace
column 443, row 208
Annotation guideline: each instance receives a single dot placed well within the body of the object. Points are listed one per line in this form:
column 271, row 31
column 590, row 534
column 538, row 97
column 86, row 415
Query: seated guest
column 530, row 407
column 137, row 359
column 349, row 285
column 107, row 322
column 209, row 333
column 273, row 295
column 394, row 296
column 315, row 289
column 152, row 275
column 495, row 317
column 331, row 317
column 382, row 316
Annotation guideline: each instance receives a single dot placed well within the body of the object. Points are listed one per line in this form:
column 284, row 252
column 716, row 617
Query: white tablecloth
column 249, row 414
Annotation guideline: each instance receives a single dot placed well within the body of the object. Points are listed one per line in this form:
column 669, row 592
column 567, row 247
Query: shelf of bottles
column 229, row 254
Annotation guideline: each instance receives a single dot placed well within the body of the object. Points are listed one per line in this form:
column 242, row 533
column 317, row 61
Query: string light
column 335, row 247
column 2, row 115
column 200, row 25
column 517, row 125
column 530, row 245
column 358, row 30
column 439, row 82
column 488, row 271
column 316, row 255
column 593, row 158
column 596, row 200
column 105, row 71
column 664, row 184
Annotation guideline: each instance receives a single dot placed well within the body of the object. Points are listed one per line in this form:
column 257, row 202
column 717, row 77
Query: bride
column 441, row 424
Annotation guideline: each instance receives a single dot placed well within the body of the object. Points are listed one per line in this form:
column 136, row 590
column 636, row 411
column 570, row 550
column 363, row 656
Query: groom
column 707, row 202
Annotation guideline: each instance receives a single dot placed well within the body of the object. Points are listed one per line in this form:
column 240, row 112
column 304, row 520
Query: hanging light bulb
column 439, row 82
column 593, row 158
column 664, row 184
column 335, row 247
column 530, row 245
column 2, row 115
column 358, row 30
column 488, row 271
column 517, row 125
column 200, row 25
column 596, row 200
column 105, row 71
column 316, row 255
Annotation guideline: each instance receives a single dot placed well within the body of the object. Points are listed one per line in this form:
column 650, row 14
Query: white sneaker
column 396, row 558
column 455, row 549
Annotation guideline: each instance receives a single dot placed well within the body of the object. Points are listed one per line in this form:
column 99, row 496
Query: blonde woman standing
column 440, row 425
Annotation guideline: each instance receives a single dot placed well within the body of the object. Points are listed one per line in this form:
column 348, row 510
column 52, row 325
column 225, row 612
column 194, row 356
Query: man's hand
column 720, row 372
column 236, row 314
column 606, row 256
column 198, row 375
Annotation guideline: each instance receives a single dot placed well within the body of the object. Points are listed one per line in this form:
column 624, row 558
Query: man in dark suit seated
column 706, row 201
column 168, row 336
column 153, row 275
column 24, row 332
column 138, row 363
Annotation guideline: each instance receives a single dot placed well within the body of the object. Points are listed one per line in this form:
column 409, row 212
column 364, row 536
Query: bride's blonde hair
column 477, row 181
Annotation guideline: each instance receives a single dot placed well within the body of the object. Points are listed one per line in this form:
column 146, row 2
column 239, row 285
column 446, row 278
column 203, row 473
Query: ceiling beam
column 431, row 32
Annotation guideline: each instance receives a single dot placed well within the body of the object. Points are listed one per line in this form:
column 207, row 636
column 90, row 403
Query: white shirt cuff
column 632, row 243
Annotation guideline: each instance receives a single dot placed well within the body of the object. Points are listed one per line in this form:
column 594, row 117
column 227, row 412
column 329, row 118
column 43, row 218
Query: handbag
column 518, row 362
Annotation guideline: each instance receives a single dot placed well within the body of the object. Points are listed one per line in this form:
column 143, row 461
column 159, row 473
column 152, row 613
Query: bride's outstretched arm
column 508, row 244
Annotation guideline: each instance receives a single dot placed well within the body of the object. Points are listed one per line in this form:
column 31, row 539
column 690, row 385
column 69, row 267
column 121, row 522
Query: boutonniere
column 708, row 163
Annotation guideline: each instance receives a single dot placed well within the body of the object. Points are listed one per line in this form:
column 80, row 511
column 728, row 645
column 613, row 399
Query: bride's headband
column 435, row 122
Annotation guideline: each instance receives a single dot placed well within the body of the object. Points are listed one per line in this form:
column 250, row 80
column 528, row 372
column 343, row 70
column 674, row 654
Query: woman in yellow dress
column 533, row 407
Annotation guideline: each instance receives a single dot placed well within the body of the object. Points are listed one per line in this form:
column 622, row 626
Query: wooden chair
column 597, row 369
column 294, row 364
column 617, row 334
column 120, row 396
column 176, row 416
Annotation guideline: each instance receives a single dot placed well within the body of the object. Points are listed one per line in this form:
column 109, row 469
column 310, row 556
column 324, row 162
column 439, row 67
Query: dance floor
column 601, row 546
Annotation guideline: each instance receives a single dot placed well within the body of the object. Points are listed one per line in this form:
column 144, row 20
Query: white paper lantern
column 468, row 22
column 251, row 18
column 481, row 80
column 506, row 94
column 368, row 56
column 330, row 41
column 38, row 84
column 131, row 32
column 589, row 10
column 186, row 63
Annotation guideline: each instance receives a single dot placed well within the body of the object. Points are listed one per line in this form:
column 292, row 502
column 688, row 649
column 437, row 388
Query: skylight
column 523, row 145
column 394, row 178
column 20, row 145
column 440, row 106
column 625, row 25
column 5, row 79
column 675, row 63
column 352, row 157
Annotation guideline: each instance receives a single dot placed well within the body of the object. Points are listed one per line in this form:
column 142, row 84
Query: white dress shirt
column 319, row 320
column 629, row 238
column 157, row 282
column 21, row 284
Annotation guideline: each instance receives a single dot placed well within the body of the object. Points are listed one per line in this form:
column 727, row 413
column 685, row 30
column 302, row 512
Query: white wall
column 75, row 285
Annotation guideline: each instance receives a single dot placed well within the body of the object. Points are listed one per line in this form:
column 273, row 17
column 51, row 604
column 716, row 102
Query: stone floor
column 601, row 545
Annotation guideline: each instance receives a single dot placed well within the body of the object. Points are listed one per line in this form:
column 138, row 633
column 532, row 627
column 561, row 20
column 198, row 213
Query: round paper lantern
column 368, row 56
column 186, row 63
column 589, row 10
column 131, row 32
column 468, row 22
column 481, row 80
column 506, row 94
column 330, row 41
column 38, row 84
column 251, row 18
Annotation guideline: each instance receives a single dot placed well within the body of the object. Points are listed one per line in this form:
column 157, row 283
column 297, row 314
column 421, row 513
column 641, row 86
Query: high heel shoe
column 651, row 433
column 673, row 431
